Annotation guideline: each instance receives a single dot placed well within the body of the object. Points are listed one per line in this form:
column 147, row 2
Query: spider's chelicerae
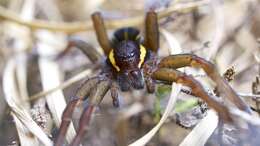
column 132, row 63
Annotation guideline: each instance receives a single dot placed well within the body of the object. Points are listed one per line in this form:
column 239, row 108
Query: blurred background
column 35, row 86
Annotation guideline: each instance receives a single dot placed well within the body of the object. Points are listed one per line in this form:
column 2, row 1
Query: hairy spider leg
column 182, row 60
column 95, row 97
column 151, row 40
column 151, row 43
column 87, row 49
column 101, row 32
column 87, row 90
column 171, row 75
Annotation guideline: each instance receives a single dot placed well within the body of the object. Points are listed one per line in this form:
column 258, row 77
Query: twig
column 74, row 27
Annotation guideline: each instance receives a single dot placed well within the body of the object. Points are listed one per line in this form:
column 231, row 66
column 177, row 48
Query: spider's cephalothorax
column 127, row 58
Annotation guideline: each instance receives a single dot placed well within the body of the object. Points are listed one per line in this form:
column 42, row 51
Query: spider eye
column 131, row 54
column 126, row 56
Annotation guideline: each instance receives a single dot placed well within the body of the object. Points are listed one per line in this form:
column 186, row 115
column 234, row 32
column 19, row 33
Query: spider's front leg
column 101, row 32
column 95, row 97
column 94, row 89
column 151, row 39
column 182, row 60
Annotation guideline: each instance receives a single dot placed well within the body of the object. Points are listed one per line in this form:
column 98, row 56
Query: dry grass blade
column 14, row 82
column 64, row 85
column 87, row 25
column 50, row 77
column 217, row 7
column 176, row 88
column 250, row 95
column 200, row 134
column 22, row 42
column 21, row 38
column 25, row 124
column 175, row 47
column 24, row 133
column 245, row 116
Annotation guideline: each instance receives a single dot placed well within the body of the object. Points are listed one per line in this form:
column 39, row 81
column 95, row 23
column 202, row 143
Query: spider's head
column 127, row 59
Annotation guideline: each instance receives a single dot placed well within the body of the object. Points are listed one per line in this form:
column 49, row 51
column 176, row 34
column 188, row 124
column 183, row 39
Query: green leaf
column 162, row 91
column 180, row 106
column 183, row 106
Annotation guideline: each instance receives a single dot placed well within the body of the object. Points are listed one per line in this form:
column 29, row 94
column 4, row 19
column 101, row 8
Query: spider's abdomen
column 126, row 33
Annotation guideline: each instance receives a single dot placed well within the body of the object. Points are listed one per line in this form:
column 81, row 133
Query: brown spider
column 131, row 63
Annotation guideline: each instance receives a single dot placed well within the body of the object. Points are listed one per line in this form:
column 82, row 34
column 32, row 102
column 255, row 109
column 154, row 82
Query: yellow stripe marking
column 112, row 60
column 142, row 55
